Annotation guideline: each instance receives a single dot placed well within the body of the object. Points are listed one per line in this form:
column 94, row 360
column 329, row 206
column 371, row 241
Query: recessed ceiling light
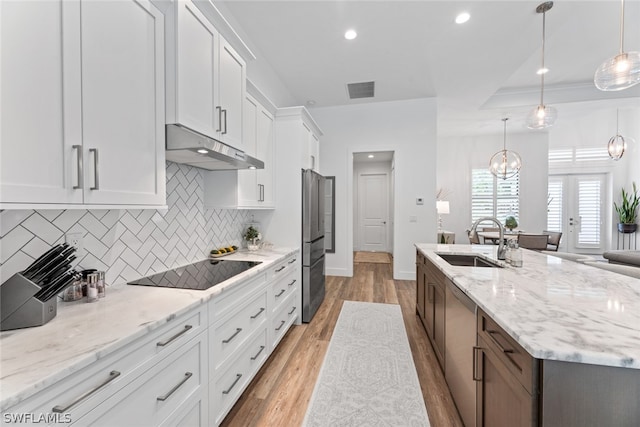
column 542, row 71
column 462, row 18
column 203, row 151
column 350, row 34
column 370, row 156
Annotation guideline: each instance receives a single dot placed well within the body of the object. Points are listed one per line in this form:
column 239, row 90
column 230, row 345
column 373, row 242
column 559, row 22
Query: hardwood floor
column 280, row 393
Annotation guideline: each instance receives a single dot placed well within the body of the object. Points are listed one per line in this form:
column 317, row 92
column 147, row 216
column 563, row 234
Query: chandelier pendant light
column 542, row 116
column 505, row 164
column 617, row 144
column 623, row 70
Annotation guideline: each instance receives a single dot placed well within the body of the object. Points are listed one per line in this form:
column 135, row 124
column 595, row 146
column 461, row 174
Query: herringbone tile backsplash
column 127, row 244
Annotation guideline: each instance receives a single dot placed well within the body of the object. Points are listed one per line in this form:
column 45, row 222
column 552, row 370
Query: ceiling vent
column 361, row 90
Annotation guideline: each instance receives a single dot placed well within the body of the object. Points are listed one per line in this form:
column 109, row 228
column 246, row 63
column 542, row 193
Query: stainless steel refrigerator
column 312, row 243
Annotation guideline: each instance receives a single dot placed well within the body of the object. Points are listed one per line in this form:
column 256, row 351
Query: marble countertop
column 556, row 309
column 34, row 358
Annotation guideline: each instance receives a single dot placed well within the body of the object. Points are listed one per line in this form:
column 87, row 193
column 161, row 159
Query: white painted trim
column 221, row 24
column 404, row 275
column 253, row 90
column 350, row 152
column 298, row 112
column 341, row 272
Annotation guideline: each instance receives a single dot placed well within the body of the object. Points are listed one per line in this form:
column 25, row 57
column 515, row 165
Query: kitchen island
column 134, row 324
column 578, row 328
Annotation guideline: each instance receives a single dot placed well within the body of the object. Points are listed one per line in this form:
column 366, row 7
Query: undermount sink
column 460, row 260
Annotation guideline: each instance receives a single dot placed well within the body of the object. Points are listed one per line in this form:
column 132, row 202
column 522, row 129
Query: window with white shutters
column 589, row 208
column 494, row 197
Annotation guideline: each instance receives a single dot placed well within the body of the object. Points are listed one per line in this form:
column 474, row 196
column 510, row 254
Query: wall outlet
column 75, row 240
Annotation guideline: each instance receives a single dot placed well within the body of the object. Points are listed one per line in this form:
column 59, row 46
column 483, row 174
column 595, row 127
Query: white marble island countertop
column 556, row 309
column 34, row 358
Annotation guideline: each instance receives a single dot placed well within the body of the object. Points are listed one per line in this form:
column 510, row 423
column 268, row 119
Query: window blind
column 494, row 197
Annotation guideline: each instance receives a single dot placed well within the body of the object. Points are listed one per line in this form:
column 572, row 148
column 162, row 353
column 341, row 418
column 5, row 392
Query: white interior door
column 577, row 206
column 373, row 209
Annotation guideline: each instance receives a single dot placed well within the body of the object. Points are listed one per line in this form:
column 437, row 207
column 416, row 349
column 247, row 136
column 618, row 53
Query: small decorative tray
column 221, row 255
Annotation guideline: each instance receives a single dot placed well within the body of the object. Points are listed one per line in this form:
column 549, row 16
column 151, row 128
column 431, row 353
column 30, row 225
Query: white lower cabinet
column 189, row 371
column 156, row 397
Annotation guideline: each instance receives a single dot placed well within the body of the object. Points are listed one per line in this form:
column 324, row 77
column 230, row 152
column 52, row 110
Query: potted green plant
column 510, row 223
column 628, row 211
column 252, row 236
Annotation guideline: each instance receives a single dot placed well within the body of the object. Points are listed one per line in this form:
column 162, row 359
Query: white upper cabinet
column 310, row 148
column 205, row 76
column 248, row 189
column 82, row 104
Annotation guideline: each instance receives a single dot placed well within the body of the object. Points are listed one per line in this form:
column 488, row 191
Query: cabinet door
column 306, row 152
column 232, row 88
column 501, row 399
column 248, row 191
column 438, row 322
column 40, row 102
column 192, row 99
column 420, row 289
column 314, row 152
column 265, row 153
column 123, row 101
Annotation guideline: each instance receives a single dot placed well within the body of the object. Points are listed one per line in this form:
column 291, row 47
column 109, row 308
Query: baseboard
column 404, row 275
column 342, row 272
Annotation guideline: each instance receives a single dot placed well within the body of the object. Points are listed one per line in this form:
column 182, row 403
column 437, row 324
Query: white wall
column 457, row 156
column 409, row 129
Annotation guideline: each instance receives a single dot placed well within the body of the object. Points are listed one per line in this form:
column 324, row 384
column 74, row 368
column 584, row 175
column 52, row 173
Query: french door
column 576, row 208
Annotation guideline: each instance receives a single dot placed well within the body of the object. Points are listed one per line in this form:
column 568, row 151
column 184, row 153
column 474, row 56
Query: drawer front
column 228, row 335
column 228, row 301
column 516, row 359
column 284, row 318
column 281, row 288
column 83, row 390
column 234, row 377
column 158, row 393
column 284, row 267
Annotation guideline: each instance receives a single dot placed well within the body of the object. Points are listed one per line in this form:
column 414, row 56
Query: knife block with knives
column 28, row 298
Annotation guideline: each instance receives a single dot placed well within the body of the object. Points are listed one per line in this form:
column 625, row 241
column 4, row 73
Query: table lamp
column 442, row 207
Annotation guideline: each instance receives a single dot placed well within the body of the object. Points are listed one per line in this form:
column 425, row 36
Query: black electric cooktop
column 200, row 275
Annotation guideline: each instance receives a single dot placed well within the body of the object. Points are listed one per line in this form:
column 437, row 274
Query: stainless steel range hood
column 192, row 148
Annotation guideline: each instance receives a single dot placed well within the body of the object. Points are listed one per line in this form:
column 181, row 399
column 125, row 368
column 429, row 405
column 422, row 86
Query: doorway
column 373, row 201
column 576, row 208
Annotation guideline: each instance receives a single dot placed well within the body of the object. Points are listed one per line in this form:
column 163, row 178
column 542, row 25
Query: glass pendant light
column 617, row 144
column 622, row 71
column 505, row 164
column 543, row 116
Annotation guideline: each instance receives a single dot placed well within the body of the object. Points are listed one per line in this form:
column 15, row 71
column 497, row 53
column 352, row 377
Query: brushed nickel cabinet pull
column 475, row 364
column 292, row 261
column 187, row 375
column 505, row 351
column 168, row 341
column 96, row 175
column 78, row 149
column 291, row 284
column 227, row 391
column 282, row 322
column 225, row 122
column 61, row 409
column 280, row 269
column 279, row 294
column 228, row 340
column 292, row 311
column 258, row 353
column 219, row 108
column 255, row 316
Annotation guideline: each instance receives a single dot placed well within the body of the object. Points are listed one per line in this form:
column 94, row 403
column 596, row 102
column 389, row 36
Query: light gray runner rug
column 368, row 377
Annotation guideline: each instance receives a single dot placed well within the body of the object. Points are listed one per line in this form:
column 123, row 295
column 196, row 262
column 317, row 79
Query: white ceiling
column 480, row 71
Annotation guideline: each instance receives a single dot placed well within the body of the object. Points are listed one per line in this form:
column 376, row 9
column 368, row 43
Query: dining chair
column 473, row 238
column 533, row 241
column 490, row 230
column 554, row 240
